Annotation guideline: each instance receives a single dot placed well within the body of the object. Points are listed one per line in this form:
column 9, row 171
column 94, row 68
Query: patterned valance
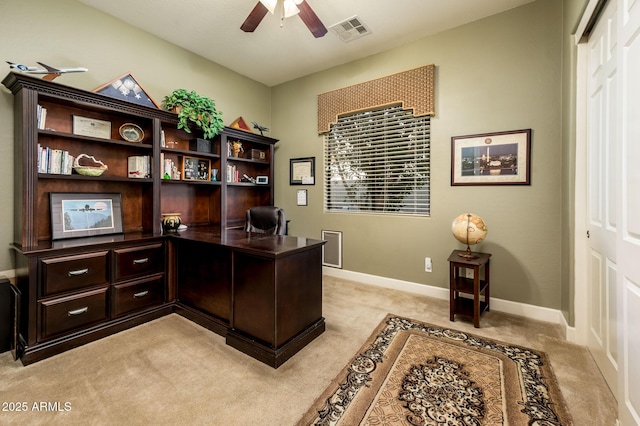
column 414, row 89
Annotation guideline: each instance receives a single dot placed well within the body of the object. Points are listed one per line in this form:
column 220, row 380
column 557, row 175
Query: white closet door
column 628, row 242
column 602, row 193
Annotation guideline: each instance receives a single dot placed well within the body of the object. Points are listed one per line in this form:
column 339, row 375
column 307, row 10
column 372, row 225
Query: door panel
column 628, row 242
column 602, row 181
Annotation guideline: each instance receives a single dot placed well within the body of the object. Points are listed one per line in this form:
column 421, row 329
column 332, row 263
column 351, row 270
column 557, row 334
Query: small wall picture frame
column 302, row 171
column 194, row 168
column 301, row 197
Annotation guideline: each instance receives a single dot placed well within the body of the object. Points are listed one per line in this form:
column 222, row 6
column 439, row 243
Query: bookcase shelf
column 216, row 203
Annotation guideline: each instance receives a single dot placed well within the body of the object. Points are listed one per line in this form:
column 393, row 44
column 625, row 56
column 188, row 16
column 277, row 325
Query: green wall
column 499, row 73
column 504, row 72
column 68, row 33
column 572, row 12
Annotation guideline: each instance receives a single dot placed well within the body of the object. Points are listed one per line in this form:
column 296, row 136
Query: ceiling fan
column 285, row 9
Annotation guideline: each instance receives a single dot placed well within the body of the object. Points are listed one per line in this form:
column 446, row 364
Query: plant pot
column 170, row 222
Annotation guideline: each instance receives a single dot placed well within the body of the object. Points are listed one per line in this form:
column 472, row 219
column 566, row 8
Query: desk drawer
column 73, row 312
column 131, row 296
column 68, row 273
column 138, row 261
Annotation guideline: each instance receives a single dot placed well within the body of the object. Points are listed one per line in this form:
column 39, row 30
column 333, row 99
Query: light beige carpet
column 172, row 371
column 413, row 373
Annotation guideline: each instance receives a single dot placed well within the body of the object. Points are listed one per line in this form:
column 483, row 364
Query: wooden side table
column 465, row 306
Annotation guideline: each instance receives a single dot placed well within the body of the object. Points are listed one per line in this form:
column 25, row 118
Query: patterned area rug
column 412, row 373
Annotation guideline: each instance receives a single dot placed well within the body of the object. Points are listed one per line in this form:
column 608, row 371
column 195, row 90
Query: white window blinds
column 377, row 161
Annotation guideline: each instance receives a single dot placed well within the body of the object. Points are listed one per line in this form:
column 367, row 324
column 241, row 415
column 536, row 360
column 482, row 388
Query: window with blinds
column 377, row 161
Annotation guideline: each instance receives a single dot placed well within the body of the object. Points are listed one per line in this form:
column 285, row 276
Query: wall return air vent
column 350, row 29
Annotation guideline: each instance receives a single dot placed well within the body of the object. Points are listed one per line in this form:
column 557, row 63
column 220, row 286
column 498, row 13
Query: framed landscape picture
column 85, row 214
column 502, row 158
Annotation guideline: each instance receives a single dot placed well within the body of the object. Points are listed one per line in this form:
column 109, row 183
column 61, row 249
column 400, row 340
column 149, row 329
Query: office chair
column 266, row 220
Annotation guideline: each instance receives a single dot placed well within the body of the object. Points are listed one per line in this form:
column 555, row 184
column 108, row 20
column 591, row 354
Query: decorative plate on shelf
column 131, row 132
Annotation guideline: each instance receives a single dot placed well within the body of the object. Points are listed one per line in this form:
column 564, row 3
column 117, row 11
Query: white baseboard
column 11, row 273
column 515, row 308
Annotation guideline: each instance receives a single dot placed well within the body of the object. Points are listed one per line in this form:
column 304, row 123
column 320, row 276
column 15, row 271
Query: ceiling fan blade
column 311, row 20
column 255, row 17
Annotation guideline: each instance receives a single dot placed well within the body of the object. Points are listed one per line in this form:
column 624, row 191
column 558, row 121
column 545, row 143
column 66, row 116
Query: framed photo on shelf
column 85, row 126
column 196, row 168
column 75, row 214
column 502, row 158
column 302, row 171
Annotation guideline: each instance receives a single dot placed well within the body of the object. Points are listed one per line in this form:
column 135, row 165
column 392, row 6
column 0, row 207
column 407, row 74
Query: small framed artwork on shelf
column 302, row 171
column 196, row 168
column 85, row 126
column 76, row 215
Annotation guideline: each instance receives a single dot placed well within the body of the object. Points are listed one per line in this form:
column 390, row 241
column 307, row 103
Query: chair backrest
column 266, row 220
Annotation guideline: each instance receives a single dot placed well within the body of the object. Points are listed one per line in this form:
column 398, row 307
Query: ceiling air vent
column 350, row 29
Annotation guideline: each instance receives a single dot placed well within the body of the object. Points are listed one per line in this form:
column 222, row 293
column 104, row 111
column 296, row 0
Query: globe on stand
column 469, row 229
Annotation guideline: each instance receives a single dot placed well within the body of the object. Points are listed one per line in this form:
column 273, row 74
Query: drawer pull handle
column 78, row 311
column 141, row 294
column 78, row 272
column 139, row 261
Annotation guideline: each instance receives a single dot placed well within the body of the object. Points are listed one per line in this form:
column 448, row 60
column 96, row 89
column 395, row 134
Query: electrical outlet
column 427, row 264
column 468, row 273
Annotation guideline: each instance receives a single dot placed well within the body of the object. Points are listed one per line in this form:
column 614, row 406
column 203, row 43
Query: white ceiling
column 274, row 55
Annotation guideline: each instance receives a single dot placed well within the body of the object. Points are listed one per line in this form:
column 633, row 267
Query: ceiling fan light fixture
column 284, row 8
column 270, row 5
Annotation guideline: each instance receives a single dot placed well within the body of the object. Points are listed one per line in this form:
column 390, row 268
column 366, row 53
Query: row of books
column 54, row 161
column 139, row 166
column 233, row 174
column 42, row 117
column 169, row 168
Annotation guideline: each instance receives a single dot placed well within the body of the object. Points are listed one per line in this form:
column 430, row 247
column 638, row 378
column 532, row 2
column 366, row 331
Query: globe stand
column 468, row 254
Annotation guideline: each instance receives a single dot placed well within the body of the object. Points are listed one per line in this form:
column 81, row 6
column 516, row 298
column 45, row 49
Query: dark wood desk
column 263, row 292
column 470, row 308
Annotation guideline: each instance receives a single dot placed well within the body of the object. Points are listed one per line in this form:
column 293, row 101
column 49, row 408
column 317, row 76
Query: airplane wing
column 61, row 70
column 50, row 68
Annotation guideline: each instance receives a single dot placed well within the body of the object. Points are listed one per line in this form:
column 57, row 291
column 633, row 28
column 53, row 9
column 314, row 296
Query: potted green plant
column 197, row 109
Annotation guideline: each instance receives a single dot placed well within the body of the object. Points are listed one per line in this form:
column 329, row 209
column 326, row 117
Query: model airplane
column 49, row 71
column 259, row 127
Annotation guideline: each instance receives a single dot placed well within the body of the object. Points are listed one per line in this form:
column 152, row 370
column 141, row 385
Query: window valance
column 414, row 89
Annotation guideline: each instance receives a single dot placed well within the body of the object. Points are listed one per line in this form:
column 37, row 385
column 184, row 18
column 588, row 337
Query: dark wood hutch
column 73, row 291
